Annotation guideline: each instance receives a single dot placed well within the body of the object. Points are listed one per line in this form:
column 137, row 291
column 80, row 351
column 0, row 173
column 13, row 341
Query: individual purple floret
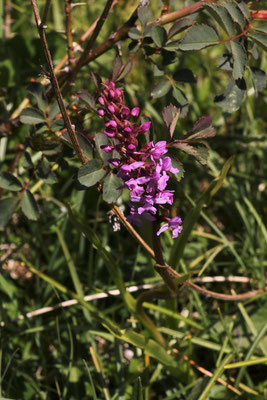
column 143, row 168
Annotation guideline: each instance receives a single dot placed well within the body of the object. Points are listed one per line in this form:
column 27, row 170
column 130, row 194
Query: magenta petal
column 162, row 229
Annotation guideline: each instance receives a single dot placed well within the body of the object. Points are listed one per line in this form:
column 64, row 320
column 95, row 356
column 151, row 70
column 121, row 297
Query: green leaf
column 86, row 97
column 177, row 164
column 125, row 70
column 101, row 139
column 179, row 26
column 10, row 182
column 134, row 34
column 37, row 90
column 244, row 9
column 226, row 62
column 111, row 193
column 235, row 12
column 161, row 88
column 202, row 129
column 29, row 206
column 258, row 79
column 182, row 101
column 144, row 15
column 46, row 174
column 117, row 65
column 222, row 16
column 239, row 59
column 170, row 116
column 233, row 96
column 198, row 37
column 173, row 314
column 184, row 75
column 200, row 153
column 91, row 173
column 31, row 116
column 150, row 347
column 27, row 161
column 7, row 206
column 83, row 142
column 260, row 39
column 159, row 35
column 137, row 390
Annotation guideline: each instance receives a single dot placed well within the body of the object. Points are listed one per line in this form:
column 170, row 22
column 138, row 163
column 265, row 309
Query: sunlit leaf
column 198, row 37
column 260, row 39
column 258, row 79
column 9, row 182
column 31, row 116
column 233, row 96
column 239, row 59
column 111, row 191
column 235, row 12
column 179, row 26
column 161, row 88
column 159, row 35
column 91, row 173
column 143, row 15
column 222, row 16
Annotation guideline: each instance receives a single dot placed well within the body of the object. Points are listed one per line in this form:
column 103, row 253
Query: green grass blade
column 247, row 363
column 257, row 340
column 172, row 314
column 193, row 215
column 257, row 218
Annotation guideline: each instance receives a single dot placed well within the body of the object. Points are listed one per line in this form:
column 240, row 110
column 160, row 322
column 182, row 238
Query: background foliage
column 101, row 349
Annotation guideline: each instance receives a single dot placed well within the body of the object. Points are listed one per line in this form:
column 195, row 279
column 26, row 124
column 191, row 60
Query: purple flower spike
column 125, row 112
column 127, row 129
column 144, row 127
column 111, row 124
column 107, row 148
column 101, row 100
column 109, row 132
column 101, row 112
column 118, row 92
column 111, row 109
column 173, row 223
column 141, row 165
column 135, row 112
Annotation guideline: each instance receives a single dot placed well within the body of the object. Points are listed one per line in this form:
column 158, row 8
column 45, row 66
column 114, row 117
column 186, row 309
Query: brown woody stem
column 54, row 83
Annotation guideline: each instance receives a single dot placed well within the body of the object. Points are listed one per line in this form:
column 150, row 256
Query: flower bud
column 101, row 112
column 135, row 112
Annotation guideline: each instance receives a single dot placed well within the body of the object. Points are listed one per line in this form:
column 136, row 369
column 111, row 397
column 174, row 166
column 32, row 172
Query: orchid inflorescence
column 144, row 168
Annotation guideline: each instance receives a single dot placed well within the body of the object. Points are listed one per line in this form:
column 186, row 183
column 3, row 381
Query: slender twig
column 57, row 69
column 173, row 16
column 122, row 33
column 8, row 20
column 205, row 371
column 93, row 38
column 47, row 5
column 71, row 55
column 55, row 85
